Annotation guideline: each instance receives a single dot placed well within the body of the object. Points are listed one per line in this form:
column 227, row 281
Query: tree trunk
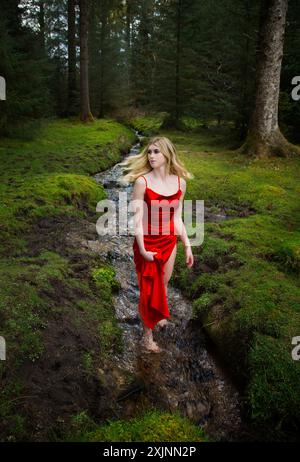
column 71, row 58
column 103, row 56
column 264, row 137
column 178, row 55
column 85, row 111
column 128, row 44
column 41, row 15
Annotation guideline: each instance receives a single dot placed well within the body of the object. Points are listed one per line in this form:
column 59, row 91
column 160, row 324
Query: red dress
column 160, row 237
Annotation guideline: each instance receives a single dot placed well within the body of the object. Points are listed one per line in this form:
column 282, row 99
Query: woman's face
column 155, row 157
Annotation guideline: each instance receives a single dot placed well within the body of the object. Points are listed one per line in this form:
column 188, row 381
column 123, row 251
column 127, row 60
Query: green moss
column 102, row 314
column 47, row 176
column 148, row 124
column 45, row 196
column 202, row 304
column 104, row 277
column 245, row 280
column 287, row 253
column 11, row 422
column 244, row 284
column 274, row 388
column 153, row 425
column 87, row 361
column 65, row 146
column 21, row 310
column 45, row 184
column 110, row 338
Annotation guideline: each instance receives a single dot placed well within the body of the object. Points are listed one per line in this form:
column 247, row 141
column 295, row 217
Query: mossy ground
column 56, row 307
column 49, row 298
column 245, row 280
column 244, row 283
column 152, row 425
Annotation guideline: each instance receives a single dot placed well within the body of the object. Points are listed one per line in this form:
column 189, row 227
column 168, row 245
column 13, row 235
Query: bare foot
column 151, row 345
column 162, row 323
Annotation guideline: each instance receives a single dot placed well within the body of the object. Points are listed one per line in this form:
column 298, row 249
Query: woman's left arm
column 180, row 229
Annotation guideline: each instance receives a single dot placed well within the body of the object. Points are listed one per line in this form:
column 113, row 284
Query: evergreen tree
column 25, row 70
column 264, row 136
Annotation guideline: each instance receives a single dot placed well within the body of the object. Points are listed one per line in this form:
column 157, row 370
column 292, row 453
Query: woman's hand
column 148, row 255
column 189, row 258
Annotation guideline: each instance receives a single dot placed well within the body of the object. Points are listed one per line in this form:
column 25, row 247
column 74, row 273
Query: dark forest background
column 182, row 57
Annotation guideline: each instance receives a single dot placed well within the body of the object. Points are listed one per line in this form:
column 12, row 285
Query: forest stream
column 186, row 376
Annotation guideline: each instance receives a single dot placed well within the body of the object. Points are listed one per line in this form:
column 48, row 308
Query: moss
column 30, row 292
column 21, row 310
column 47, row 176
column 148, row 124
column 45, row 189
column 274, row 388
column 105, row 277
column 65, row 146
column 110, row 338
column 287, row 254
column 202, row 304
column 87, row 361
column 11, row 422
column 278, row 145
column 153, row 425
column 244, row 283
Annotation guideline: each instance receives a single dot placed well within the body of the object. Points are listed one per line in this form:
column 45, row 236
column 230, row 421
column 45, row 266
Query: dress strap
column 178, row 182
column 145, row 180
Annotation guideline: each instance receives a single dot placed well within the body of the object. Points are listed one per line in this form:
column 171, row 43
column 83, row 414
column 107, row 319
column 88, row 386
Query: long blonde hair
column 139, row 164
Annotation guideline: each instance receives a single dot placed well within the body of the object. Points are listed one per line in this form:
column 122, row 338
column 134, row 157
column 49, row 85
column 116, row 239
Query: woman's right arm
column 138, row 194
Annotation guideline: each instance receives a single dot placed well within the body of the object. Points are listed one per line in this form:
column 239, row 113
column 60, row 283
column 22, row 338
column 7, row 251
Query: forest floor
column 56, row 295
column 55, row 310
column 245, row 283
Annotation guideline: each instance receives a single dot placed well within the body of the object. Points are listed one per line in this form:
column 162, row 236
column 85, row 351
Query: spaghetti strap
column 145, row 180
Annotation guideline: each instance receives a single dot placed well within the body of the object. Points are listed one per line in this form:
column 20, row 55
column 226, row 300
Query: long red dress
column 160, row 237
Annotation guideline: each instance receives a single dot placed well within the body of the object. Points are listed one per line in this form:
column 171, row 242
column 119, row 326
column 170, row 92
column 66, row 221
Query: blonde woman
column 159, row 184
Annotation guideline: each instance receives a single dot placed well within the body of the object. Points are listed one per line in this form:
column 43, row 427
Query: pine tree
column 85, row 111
column 264, row 136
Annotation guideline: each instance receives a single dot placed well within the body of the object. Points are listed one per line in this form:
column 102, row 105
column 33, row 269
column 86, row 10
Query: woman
column 156, row 172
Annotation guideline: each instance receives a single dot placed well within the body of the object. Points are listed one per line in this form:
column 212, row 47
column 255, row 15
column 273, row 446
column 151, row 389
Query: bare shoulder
column 139, row 187
column 140, row 181
column 183, row 183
